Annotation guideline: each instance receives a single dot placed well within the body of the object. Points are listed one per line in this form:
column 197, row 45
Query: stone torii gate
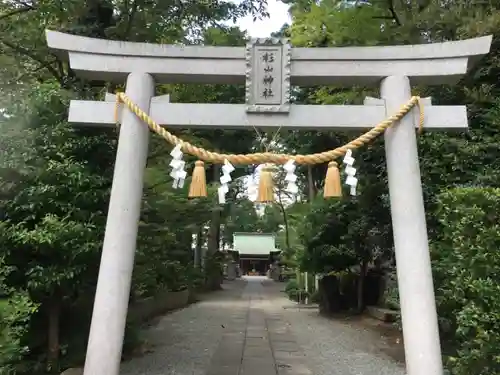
column 268, row 67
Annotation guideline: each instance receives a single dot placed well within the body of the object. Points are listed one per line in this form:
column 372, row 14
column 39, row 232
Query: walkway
column 250, row 328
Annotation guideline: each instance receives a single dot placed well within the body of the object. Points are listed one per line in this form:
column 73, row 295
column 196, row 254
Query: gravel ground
column 183, row 342
column 334, row 347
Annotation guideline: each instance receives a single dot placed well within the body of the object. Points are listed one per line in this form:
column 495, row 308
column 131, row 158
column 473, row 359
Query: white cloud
column 278, row 15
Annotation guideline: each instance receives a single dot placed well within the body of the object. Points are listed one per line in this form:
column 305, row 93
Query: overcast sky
column 278, row 16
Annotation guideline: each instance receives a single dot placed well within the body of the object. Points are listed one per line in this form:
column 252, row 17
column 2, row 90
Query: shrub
column 466, row 262
column 315, row 297
column 15, row 314
column 16, row 309
column 291, row 289
column 196, row 277
column 288, row 274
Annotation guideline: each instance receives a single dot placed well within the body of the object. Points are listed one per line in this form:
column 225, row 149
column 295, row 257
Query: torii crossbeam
column 300, row 117
column 268, row 67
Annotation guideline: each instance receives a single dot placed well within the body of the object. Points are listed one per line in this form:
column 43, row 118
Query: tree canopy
column 55, row 178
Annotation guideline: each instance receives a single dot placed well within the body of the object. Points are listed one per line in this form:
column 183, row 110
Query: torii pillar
column 268, row 66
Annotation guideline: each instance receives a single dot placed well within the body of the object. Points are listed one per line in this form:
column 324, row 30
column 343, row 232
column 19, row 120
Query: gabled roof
column 252, row 243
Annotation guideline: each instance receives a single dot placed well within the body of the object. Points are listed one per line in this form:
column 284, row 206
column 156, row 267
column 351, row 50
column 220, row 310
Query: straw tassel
column 198, row 186
column 333, row 188
column 266, row 186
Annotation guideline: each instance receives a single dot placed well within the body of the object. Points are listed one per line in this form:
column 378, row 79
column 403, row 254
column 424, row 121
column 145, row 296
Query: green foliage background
column 55, row 179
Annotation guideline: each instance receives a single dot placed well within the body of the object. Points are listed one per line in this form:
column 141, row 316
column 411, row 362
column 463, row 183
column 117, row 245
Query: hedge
column 466, row 265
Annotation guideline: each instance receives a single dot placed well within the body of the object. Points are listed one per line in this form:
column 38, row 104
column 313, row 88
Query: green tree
column 466, row 269
column 445, row 158
column 48, row 238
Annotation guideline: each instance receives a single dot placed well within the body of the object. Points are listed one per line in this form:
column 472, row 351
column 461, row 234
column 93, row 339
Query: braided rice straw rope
column 270, row 157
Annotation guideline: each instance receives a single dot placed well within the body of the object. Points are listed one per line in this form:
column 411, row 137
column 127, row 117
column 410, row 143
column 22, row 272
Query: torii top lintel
column 437, row 63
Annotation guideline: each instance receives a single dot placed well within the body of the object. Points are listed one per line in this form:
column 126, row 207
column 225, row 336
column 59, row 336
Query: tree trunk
column 361, row 285
column 198, row 249
column 287, row 232
column 310, row 183
column 54, row 312
column 218, row 231
column 213, row 242
column 222, row 241
column 285, row 223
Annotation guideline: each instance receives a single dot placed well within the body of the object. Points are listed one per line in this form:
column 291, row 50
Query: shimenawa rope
column 270, row 157
column 332, row 188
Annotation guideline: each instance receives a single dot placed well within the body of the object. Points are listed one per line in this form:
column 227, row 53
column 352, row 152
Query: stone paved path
column 251, row 329
column 260, row 342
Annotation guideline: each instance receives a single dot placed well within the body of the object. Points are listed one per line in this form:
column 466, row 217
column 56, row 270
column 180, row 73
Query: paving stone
column 296, row 369
column 256, row 328
column 267, row 360
column 228, row 358
column 273, row 316
column 257, row 341
column 285, row 346
column 232, row 344
column 256, row 367
column 255, row 314
column 256, row 337
column 277, row 328
column 287, row 356
column 256, row 351
column 281, row 337
column 257, row 371
column 224, row 370
column 234, row 335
